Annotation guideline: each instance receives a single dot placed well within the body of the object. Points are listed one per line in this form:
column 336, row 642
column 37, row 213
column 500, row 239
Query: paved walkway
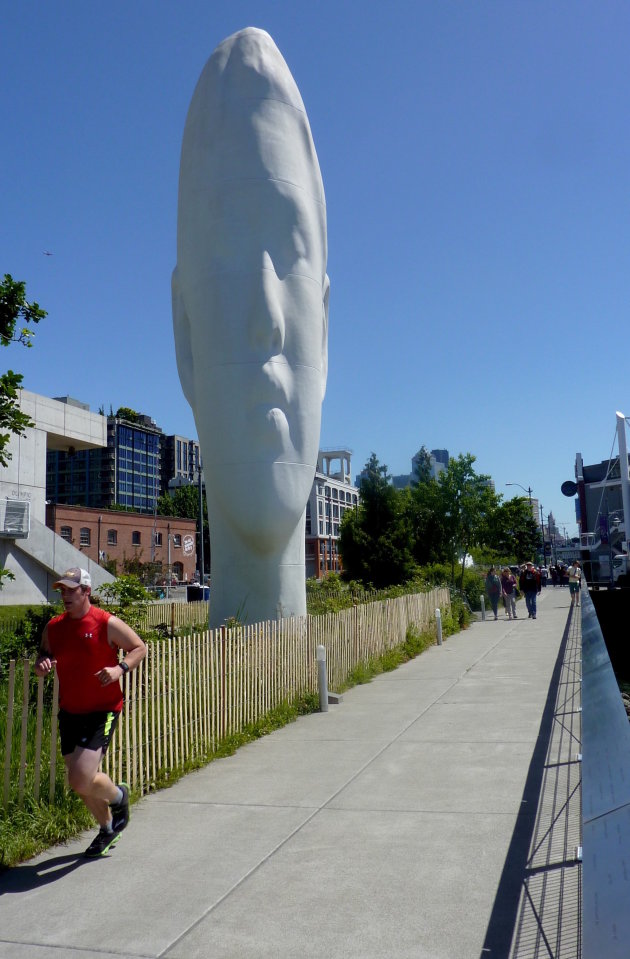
column 405, row 822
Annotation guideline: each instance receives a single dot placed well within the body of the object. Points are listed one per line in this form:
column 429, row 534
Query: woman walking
column 493, row 589
column 508, row 586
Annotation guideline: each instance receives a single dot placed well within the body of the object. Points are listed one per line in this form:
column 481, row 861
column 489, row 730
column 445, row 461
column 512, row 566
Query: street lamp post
column 528, row 490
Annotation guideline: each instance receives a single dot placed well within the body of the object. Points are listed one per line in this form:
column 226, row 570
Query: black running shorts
column 86, row 730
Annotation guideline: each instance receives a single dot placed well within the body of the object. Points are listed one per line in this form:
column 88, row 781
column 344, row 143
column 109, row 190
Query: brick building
column 106, row 535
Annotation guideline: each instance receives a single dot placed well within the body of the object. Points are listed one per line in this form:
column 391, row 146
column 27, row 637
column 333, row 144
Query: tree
column 127, row 598
column 512, row 530
column 126, row 413
column 467, row 499
column 184, row 502
column 374, row 540
column 421, row 466
column 14, row 307
column 15, row 310
column 428, row 523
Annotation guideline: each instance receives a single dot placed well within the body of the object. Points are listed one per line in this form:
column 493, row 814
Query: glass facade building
column 137, row 481
column 126, row 473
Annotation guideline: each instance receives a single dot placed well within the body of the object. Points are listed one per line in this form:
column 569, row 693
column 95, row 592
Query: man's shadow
column 34, row 876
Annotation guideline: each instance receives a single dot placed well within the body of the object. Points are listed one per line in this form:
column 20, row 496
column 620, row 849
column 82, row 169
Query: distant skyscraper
column 441, row 456
column 181, row 461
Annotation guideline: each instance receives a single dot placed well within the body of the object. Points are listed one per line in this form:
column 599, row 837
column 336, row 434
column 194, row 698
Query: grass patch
column 415, row 643
column 30, row 829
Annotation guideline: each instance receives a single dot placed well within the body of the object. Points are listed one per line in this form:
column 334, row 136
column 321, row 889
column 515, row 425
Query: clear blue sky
column 476, row 161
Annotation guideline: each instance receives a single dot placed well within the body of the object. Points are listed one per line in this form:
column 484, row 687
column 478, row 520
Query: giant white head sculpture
column 250, row 315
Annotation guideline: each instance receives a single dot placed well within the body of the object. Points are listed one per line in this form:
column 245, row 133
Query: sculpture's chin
column 261, row 503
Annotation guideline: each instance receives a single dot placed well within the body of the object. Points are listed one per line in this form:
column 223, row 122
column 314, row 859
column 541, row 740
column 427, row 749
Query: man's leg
column 95, row 788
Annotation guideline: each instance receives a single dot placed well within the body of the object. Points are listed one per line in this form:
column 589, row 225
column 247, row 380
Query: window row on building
column 114, row 536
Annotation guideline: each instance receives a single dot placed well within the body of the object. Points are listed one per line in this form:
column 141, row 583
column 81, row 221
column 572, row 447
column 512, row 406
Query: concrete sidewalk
column 383, row 828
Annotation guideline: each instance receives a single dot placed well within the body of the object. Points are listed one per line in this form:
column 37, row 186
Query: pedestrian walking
column 529, row 582
column 575, row 581
column 508, row 587
column 83, row 645
column 493, row 589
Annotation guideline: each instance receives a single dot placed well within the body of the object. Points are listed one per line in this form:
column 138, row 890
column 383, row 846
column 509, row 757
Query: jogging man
column 83, row 645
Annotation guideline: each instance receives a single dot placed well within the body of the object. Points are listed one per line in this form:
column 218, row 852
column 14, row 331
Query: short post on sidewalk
column 438, row 624
column 483, row 607
column 322, row 679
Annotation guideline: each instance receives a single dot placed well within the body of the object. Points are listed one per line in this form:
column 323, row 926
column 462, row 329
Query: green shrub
column 23, row 636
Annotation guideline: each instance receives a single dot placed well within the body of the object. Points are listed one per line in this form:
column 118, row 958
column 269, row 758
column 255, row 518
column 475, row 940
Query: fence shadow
column 536, row 912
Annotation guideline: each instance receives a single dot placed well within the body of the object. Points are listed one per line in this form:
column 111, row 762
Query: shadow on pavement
column 26, row 877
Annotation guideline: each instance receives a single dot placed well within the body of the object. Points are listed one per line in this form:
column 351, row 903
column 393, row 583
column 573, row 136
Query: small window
column 158, row 539
column 84, row 536
column 66, row 533
column 112, row 537
column 177, row 539
column 178, row 571
column 136, row 537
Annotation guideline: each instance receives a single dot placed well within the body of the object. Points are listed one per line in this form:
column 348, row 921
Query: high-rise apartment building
column 126, row 473
column 181, row 461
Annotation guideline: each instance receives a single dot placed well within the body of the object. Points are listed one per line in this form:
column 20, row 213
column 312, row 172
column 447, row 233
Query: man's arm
column 43, row 664
column 121, row 635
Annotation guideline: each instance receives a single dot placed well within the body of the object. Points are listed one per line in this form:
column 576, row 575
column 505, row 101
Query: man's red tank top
column 81, row 649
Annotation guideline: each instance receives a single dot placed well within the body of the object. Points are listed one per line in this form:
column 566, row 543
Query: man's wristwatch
column 123, row 666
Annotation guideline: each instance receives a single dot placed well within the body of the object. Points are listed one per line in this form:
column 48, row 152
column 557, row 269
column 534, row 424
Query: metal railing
column 605, row 799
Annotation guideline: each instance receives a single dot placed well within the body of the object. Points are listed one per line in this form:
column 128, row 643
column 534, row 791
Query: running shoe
column 120, row 810
column 103, row 841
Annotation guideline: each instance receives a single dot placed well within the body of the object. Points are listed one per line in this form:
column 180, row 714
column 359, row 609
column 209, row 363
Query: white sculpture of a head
column 250, row 316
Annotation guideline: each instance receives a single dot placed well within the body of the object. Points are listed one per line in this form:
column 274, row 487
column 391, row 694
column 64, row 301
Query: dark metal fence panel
column 605, row 799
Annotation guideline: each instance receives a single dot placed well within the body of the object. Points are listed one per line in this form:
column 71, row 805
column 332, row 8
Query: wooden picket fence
column 175, row 615
column 192, row 692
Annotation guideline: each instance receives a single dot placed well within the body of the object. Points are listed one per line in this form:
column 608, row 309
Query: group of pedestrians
column 502, row 587
column 530, row 582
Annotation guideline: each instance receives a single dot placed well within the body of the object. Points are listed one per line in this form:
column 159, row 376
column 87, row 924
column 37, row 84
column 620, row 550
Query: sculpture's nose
column 266, row 317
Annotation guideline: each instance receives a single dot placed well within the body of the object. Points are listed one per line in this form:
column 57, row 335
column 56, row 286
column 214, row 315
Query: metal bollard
column 483, row 607
column 322, row 679
column 438, row 623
